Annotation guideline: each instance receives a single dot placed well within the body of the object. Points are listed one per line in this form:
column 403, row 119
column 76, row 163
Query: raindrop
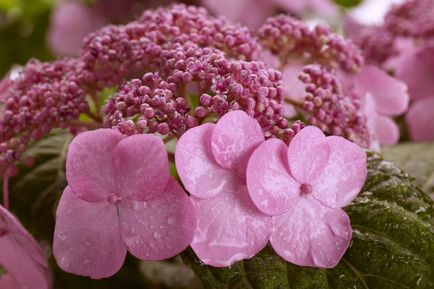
column 157, row 236
column 171, row 220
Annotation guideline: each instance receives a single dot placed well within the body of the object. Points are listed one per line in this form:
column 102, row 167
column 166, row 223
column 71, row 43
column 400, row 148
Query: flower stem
column 6, row 190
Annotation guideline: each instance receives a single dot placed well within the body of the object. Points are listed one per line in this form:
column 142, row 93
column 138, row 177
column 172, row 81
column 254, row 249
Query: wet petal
column 311, row 234
column 89, row 164
column 420, row 120
column 21, row 256
column 386, row 130
column 160, row 228
column 230, row 227
column 197, row 169
column 87, row 238
column 307, row 154
column 140, row 167
column 270, row 185
column 235, row 137
column 343, row 176
column 390, row 94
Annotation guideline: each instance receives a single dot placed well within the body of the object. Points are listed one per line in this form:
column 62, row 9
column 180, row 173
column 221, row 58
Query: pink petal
column 197, row 169
column 160, row 228
column 322, row 7
column 386, row 130
column 87, row 239
column 8, row 282
column 21, row 256
column 89, row 164
column 416, row 68
column 420, row 120
column 270, row 185
column 71, row 21
column 311, row 234
column 307, row 154
column 343, row 176
column 390, row 94
column 230, row 227
column 140, row 167
column 258, row 11
column 235, row 137
column 293, row 85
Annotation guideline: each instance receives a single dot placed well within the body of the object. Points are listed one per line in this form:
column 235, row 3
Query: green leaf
column 348, row 3
column 35, row 191
column 392, row 245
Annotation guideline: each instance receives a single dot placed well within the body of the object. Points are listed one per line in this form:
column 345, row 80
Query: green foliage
column 23, row 25
column 348, row 3
column 392, row 245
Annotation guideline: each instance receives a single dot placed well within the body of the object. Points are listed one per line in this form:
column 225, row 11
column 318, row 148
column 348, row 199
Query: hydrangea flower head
column 211, row 160
column 20, row 256
column 120, row 197
column 303, row 187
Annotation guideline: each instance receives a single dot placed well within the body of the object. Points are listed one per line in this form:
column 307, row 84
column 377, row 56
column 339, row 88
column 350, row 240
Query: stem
column 93, row 116
column 168, row 138
column 294, row 103
column 87, row 124
column 95, row 99
column 6, row 190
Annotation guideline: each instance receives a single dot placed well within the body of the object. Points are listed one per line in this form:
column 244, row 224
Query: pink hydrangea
column 420, row 119
column 259, row 10
column 385, row 97
column 303, row 188
column 119, row 197
column 211, row 160
column 21, row 256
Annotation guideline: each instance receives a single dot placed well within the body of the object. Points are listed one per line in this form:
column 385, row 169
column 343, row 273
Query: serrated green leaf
column 392, row 245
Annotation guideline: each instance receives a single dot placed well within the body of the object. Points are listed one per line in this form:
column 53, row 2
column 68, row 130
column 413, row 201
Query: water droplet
column 157, row 236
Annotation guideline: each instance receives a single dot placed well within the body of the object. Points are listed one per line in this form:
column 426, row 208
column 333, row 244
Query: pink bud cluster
column 44, row 96
column 289, row 38
column 331, row 110
column 376, row 43
column 118, row 52
column 194, row 85
column 413, row 18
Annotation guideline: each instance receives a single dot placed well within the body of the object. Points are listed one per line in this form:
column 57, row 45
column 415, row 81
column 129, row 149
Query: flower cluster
column 42, row 97
column 289, row 38
column 330, row 108
column 188, row 74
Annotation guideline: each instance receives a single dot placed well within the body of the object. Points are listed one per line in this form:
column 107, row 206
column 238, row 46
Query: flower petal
column 311, row 234
column 386, row 130
column 21, row 256
column 89, row 164
column 420, row 120
column 343, row 176
column 230, row 227
column 270, row 185
column 87, row 239
column 140, row 167
column 416, row 68
column 235, row 137
column 200, row 174
column 7, row 281
column 160, row 228
column 390, row 94
column 307, row 154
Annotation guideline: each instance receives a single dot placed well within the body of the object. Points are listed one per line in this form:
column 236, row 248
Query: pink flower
column 303, row 187
column 420, row 119
column 72, row 21
column 259, row 10
column 385, row 96
column 20, row 256
column 211, row 160
column 120, row 197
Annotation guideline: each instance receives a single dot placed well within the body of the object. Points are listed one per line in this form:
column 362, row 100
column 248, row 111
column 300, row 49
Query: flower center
column 305, row 189
column 113, row 199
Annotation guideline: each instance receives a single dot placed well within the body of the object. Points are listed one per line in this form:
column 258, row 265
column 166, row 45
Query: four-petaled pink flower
column 21, row 257
column 384, row 97
column 119, row 197
column 211, row 160
column 303, row 187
